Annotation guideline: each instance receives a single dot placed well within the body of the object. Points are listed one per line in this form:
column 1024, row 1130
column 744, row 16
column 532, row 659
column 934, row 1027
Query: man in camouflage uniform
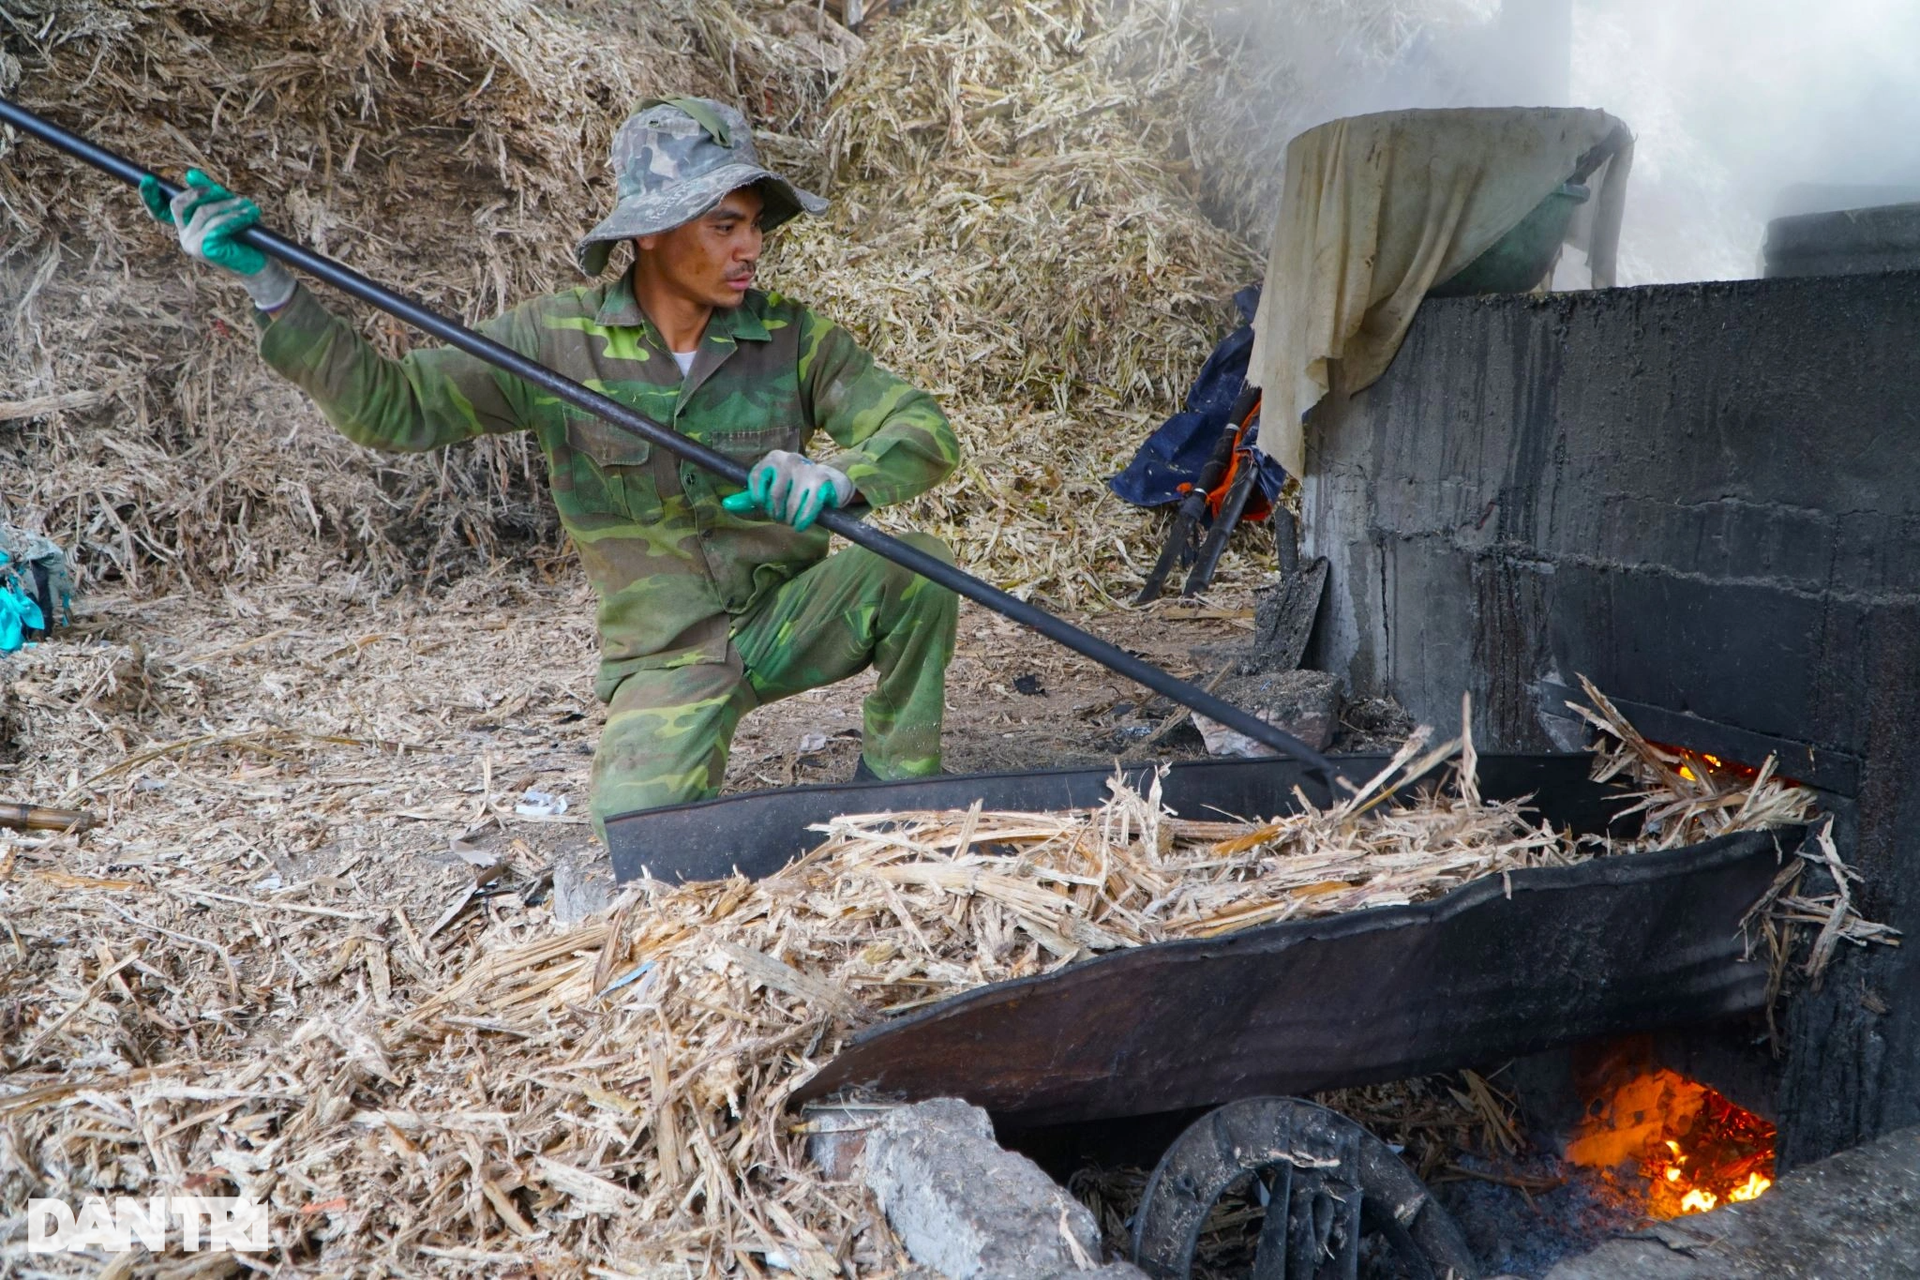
column 712, row 600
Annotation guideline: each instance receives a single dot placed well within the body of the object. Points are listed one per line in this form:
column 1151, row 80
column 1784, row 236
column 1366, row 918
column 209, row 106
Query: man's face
column 711, row 259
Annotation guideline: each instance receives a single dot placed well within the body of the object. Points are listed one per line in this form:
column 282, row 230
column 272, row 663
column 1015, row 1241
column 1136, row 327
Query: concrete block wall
column 1707, row 499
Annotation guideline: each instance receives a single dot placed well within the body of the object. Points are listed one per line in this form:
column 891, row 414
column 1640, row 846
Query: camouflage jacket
column 672, row 567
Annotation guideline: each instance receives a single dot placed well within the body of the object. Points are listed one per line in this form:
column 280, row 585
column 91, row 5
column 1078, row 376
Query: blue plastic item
column 1176, row 452
column 19, row 611
column 35, row 567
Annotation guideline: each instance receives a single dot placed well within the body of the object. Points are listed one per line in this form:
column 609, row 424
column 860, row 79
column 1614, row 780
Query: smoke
column 1742, row 110
column 1746, row 109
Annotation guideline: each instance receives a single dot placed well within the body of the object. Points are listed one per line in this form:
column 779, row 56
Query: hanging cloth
column 1377, row 209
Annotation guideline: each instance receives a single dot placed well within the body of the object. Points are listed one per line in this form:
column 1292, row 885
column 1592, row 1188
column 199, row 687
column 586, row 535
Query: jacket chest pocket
column 609, row 470
column 748, row 447
column 607, row 444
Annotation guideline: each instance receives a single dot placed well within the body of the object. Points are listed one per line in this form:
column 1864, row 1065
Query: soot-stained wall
column 1707, row 499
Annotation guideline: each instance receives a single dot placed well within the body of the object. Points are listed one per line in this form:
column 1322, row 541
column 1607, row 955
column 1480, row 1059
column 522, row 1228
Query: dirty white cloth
column 1378, row 209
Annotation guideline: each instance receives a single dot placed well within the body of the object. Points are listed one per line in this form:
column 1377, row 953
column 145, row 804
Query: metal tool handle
column 849, row 527
column 1179, row 547
column 1232, row 507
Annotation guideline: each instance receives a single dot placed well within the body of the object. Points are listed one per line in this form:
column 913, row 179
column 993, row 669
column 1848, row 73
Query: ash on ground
column 1525, row 1232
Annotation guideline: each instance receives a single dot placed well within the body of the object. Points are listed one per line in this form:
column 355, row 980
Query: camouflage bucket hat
column 676, row 158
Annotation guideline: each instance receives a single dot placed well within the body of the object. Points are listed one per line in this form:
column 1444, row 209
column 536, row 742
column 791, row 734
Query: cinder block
column 969, row 1209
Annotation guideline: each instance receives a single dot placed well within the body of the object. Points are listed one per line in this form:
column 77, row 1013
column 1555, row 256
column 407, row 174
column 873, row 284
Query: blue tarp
column 1177, row 451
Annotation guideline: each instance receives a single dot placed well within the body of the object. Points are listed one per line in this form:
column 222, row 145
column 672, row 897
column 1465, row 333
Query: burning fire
column 1694, row 1149
column 1702, row 766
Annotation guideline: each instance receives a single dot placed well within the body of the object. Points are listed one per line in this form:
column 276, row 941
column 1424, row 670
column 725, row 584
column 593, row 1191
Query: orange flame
column 1693, row 1149
column 1704, row 766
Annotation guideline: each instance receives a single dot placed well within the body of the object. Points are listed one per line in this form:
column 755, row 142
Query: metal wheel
column 1330, row 1187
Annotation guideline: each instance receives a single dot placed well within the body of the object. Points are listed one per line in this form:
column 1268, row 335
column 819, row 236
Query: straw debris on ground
column 414, row 1096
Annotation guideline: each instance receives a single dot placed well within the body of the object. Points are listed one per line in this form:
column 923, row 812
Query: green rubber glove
column 791, row 488
column 209, row 218
column 155, row 199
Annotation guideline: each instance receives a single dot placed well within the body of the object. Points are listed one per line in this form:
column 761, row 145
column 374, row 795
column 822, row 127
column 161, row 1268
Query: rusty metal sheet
column 1498, row 968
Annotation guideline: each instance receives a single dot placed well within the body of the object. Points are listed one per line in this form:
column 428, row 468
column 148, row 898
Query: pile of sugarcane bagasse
column 610, row 1099
column 1014, row 229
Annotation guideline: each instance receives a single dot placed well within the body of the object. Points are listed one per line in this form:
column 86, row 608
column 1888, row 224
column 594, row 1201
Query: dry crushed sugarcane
column 618, row 1089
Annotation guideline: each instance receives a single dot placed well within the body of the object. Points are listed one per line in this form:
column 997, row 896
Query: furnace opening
column 1678, row 1145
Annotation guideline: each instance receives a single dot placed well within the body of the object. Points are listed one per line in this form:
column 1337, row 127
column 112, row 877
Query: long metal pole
column 852, row 529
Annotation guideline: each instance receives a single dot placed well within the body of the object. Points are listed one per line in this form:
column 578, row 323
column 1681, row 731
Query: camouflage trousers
column 668, row 731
